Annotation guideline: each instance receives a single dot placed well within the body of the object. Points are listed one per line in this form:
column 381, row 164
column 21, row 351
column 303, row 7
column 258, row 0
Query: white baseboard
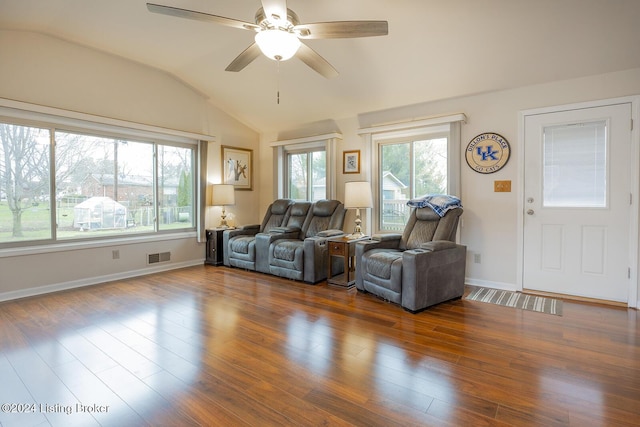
column 494, row 285
column 23, row 293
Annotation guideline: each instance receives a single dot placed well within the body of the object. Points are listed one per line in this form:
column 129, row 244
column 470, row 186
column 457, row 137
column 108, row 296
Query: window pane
column 430, row 166
column 409, row 169
column 297, row 183
column 395, row 174
column 319, row 170
column 104, row 186
column 25, row 210
column 575, row 165
column 175, row 187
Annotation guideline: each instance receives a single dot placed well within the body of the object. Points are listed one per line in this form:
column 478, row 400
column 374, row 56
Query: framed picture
column 351, row 161
column 237, row 167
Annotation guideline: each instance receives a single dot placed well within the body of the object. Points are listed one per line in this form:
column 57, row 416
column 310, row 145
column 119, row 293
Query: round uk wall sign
column 487, row 152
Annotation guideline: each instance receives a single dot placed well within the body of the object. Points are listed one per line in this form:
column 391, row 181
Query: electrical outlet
column 115, row 254
column 476, row 258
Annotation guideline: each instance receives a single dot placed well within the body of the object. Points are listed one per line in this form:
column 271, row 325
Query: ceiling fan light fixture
column 277, row 44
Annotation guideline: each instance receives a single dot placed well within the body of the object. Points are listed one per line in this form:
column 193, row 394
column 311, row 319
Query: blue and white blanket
column 440, row 203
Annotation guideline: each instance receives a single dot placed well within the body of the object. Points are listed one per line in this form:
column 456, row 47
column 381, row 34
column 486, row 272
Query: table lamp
column 223, row 195
column 357, row 194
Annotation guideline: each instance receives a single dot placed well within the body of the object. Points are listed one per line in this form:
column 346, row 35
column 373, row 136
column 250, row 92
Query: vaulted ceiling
column 435, row 49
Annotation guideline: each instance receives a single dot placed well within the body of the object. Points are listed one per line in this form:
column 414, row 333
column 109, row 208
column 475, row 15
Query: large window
column 409, row 160
column 60, row 185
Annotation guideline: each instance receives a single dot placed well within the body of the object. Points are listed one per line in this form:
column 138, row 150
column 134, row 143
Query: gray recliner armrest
column 330, row 233
column 316, row 257
column 242, row 231
column 378, row 241
column 386, row 237
column 279, row 230
column 249, row 227
column 432, row 276
column 437, row 245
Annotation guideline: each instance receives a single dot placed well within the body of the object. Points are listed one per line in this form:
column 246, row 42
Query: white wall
column 47, row 71
column 490, row 219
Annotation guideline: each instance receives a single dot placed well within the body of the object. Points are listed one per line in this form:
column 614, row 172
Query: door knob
column 530, row 212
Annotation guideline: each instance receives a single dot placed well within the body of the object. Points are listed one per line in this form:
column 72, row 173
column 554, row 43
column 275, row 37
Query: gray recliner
column 240, row 244
column 303, row 255
column 290, row 229
column 421, row 267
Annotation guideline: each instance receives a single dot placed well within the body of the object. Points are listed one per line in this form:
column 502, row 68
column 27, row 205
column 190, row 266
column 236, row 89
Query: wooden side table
column 346, row 249
column 215, row 250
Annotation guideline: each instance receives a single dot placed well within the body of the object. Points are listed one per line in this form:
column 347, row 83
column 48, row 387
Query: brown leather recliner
column 417, row 269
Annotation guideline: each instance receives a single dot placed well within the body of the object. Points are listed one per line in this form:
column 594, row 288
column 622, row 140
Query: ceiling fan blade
column 315, row 61
column 342, row 29
column 275, row 7
column 201, row 16
column 244, row 59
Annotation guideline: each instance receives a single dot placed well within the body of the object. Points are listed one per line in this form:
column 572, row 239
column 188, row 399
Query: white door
column 577, row 202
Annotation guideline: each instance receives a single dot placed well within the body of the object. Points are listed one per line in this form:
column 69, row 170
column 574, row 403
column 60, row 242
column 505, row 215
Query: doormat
column 517, row 300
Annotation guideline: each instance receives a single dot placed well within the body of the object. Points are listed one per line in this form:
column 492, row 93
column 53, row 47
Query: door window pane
column 575, row 165
column 25, row 170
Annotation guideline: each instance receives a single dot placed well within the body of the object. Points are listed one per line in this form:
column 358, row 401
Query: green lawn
column 36, row 225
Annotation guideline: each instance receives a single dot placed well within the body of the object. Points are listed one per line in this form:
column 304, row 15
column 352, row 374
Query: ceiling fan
column 279, row 33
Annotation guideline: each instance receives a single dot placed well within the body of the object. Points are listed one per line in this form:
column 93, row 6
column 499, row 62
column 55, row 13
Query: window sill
column 75, row 246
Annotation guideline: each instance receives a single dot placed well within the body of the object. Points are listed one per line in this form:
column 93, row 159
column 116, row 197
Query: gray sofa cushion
column 297, row 216
column 240, row 244
column 422, row 231
column 323, row 217
column 278, row 213
column 286, row 249
column 379, row 262
column 425, row 225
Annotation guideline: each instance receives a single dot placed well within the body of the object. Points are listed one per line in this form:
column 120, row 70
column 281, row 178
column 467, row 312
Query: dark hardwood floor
column 218, row 346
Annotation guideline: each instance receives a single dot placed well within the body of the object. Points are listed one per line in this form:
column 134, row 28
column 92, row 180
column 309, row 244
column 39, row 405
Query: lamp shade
column 278, row 45
column 222, row 195
column 357, row 194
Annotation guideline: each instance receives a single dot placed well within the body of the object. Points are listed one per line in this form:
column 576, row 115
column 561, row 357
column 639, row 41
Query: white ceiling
column 435, row 49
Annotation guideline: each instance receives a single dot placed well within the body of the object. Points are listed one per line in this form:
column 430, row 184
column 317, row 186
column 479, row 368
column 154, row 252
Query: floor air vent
column 160, row 257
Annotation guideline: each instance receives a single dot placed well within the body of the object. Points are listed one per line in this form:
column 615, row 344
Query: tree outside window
column 24, row 183
column 409, row 169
